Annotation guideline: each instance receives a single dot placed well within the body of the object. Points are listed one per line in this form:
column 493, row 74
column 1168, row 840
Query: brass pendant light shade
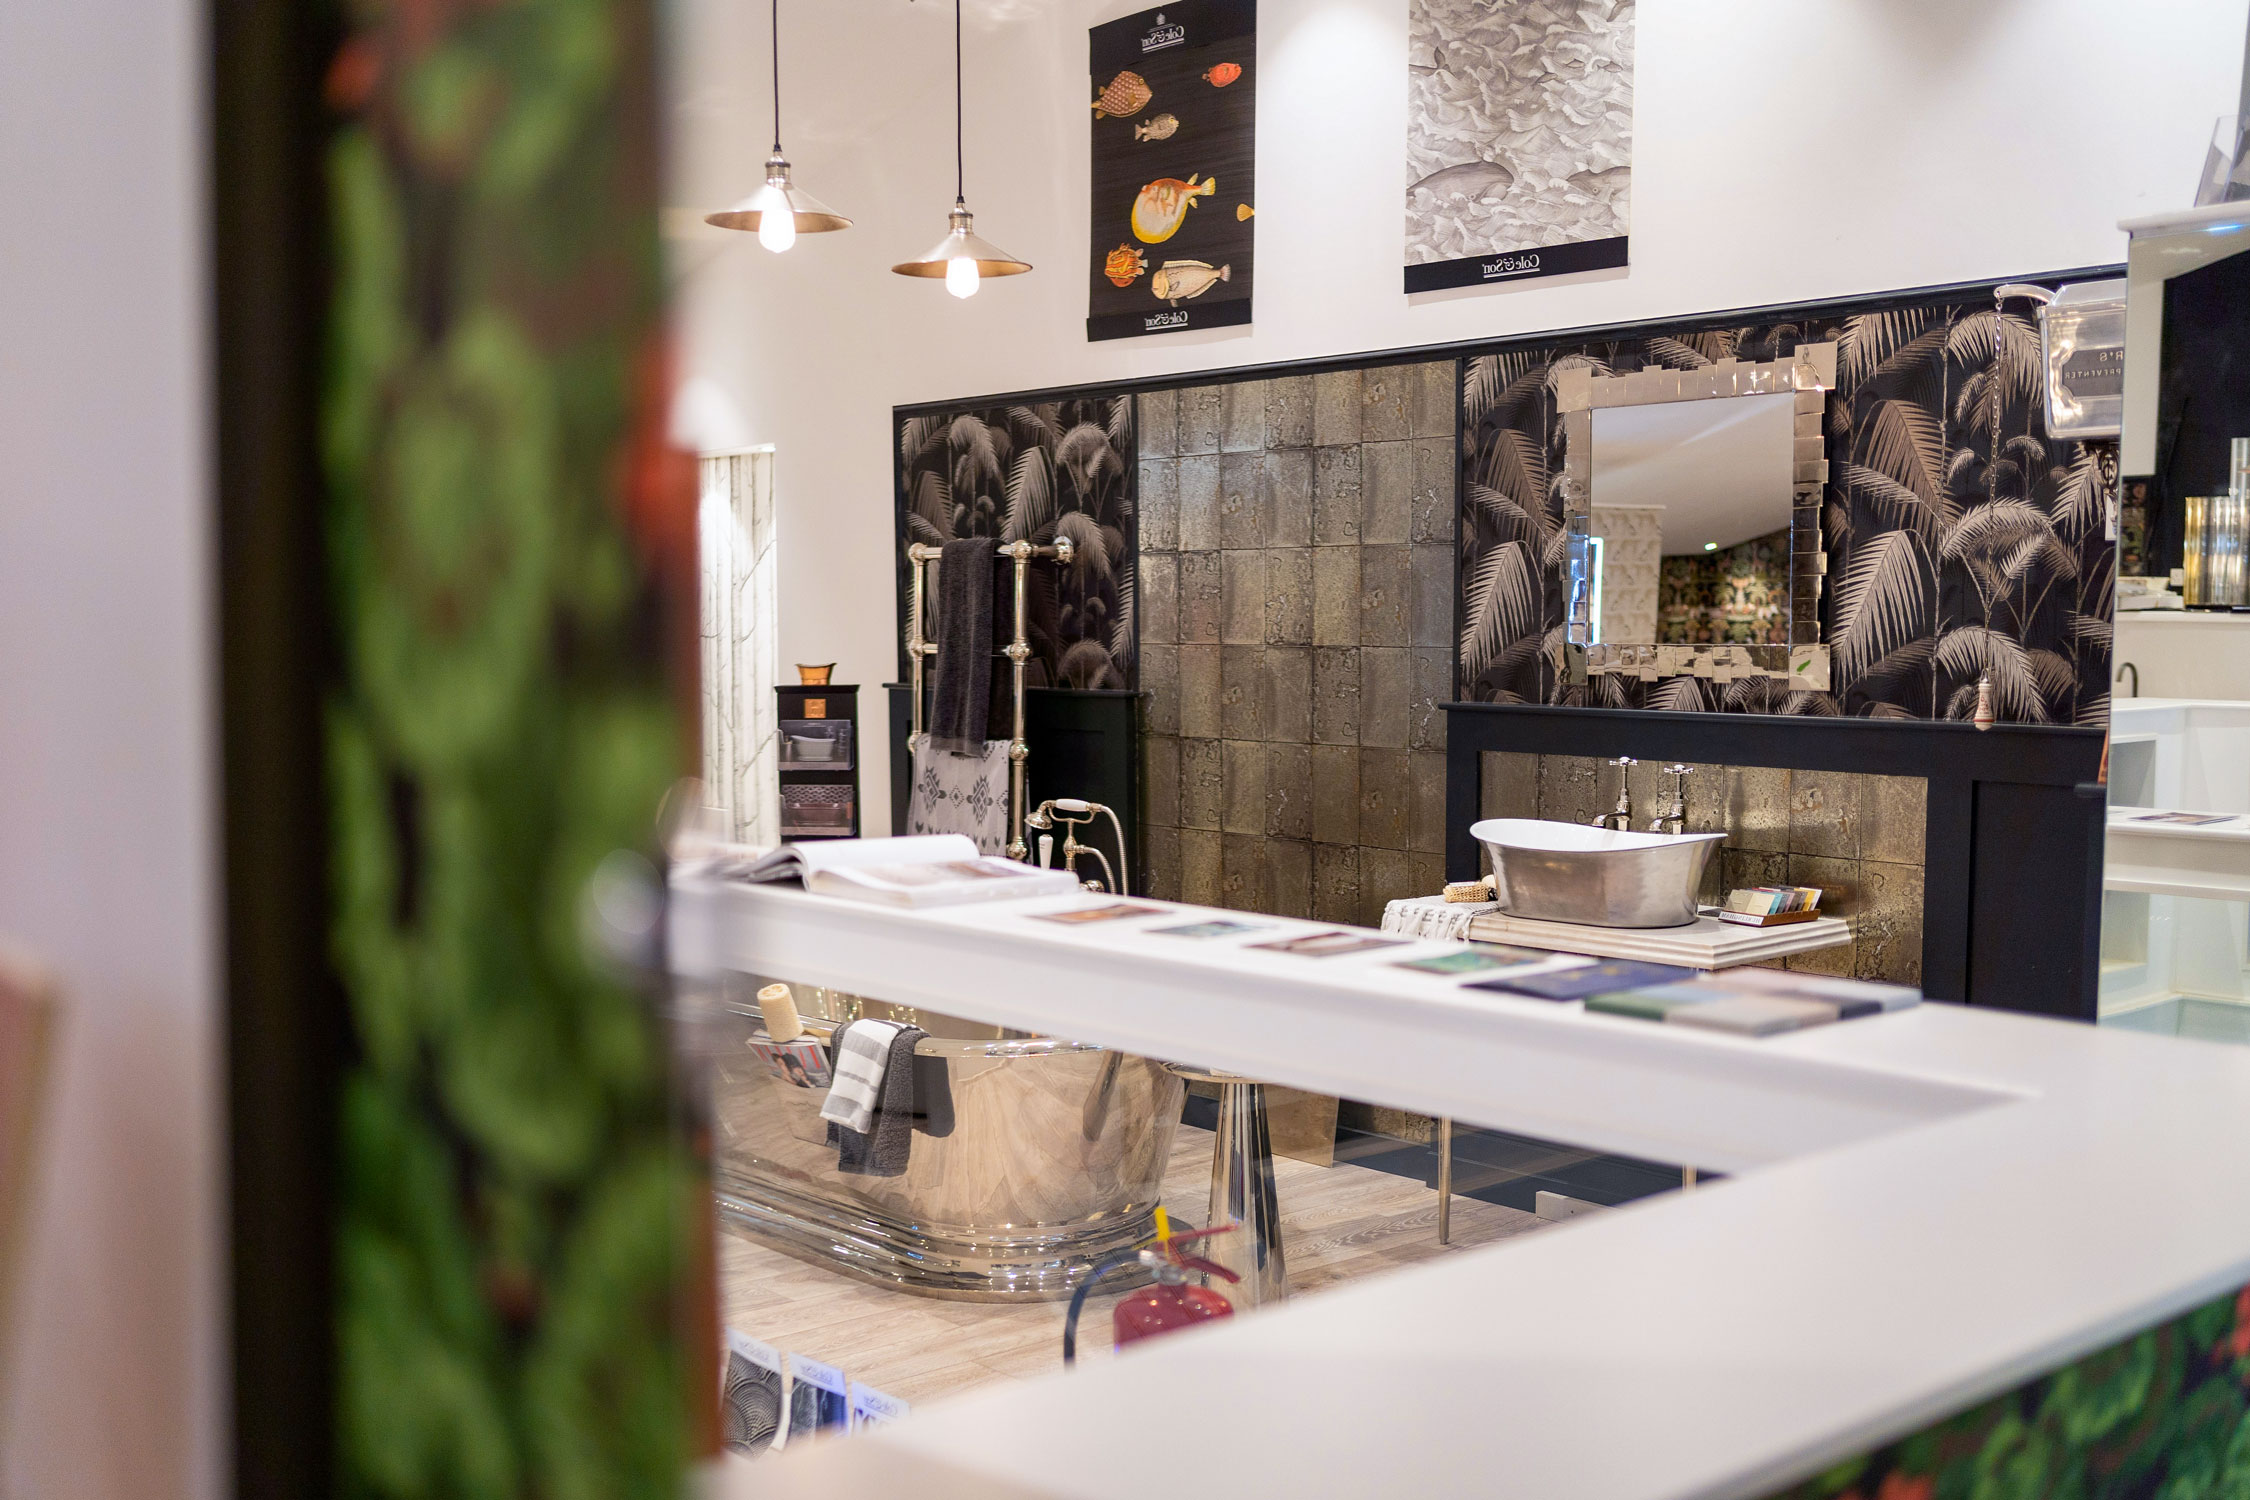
column 779, row 210
column 962, row 258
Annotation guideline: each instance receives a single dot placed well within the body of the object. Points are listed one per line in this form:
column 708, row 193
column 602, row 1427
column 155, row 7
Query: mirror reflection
column 1690, row 530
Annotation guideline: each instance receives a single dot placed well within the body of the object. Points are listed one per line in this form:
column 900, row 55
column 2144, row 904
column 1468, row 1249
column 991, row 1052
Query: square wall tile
column 1335, row 776
column 1242, row 416
column 1434, row 501
column 1161, row 765
column 1336, row 399
column 1159, row 504
column 1385, row 875
column 1288, row 504
column 1430, row 596
column 1386, row 799
column 1824, row 814
column 1335, row 883
column 1156, row 417
column 1386, row 398
column 1242, row 879
column 1199, row 503
column 1336, row 497
column 1750, row 803
column 1433, row 405
column 1289, row 791
column 1243, row 801
column 1159, row 599
column 1242, row 496
column 1575, row 788
column 1199, row 691
column 1387, row 491
column 1507, row 785
column 1386, row 696
column 1335, row 709
column 1289, row 596
column 1426, row 822
column 1202, row 783
column 1242, row 621
column 1429, row 874
column 1433, row 687
column 1335, row 610
column 1242, row 692
column 1887, row 942
column 1845, row 894
column 1288, row 694
column 1289, row 877
column 1199, row 419
column 1289, row 411
column 1160, row 877
column 1202, row 592
column 1160, row 679
column 1894, row 818
column 1384, row 594
column 1200, row 866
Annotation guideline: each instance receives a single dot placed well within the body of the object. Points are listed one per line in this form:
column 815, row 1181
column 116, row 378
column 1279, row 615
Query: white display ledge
column 1934, row 1206
column 2207, row 861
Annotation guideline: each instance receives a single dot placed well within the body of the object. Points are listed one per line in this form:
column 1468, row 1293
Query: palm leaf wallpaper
column 1961, row 539
column 1033, row 473
column 2162, row 1414
column 508, row 541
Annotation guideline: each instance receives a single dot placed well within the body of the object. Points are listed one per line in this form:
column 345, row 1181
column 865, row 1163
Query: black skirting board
column 1084, row 742
column 2012, row 875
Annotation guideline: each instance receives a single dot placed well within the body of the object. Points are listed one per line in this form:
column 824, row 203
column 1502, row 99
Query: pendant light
column 779, row 211
column 961, row 257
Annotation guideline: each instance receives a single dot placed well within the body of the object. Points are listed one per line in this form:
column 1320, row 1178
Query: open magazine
column 930, row 869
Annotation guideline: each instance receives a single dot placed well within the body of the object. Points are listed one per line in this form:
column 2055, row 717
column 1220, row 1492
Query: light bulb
column 777, row 221
column 961, row 276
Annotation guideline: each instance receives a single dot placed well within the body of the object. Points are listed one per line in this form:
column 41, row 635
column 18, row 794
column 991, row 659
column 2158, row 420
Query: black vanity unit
column 819, row 761
column 2013, row 876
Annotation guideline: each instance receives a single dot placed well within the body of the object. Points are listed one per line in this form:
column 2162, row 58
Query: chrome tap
column 1674, row 817
column 1620, row 817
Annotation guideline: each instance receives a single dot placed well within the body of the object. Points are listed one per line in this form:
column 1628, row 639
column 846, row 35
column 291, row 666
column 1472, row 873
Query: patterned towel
column 961, row 794
column 863, row 1053
column 1433, row 917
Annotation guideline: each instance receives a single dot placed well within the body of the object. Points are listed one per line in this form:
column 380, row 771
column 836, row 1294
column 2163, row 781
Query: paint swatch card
column 817, row 1398
column 1852, row 995
column 1754, row 1015
column 1208, row 929
column 1115, row 911
column 871, row 1408
column 1483, row 960
column 1330, row 944
column 1603, row 978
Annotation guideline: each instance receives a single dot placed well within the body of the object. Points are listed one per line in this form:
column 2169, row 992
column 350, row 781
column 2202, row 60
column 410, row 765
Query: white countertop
column 1932, row 1207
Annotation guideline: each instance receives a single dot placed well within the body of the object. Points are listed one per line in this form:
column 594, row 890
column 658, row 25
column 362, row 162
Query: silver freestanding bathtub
column 1055, row 1160
column 1597, row 877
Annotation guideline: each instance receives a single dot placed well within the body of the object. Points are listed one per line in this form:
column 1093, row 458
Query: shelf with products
column 818, row 760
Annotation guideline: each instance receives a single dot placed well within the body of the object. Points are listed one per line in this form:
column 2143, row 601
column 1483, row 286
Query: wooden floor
column 1338, row 1223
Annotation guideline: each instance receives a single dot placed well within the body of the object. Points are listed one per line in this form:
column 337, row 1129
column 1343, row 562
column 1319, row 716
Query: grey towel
column 916, row 1096
column 962, row 694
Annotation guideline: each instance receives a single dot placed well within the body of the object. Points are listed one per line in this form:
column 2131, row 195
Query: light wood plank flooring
column 1338, row 1223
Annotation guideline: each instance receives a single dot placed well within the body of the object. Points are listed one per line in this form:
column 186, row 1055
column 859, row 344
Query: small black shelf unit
column 819, row 761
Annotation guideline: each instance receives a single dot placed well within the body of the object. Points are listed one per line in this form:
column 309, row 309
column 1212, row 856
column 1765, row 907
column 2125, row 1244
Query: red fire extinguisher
column 1168, row 1302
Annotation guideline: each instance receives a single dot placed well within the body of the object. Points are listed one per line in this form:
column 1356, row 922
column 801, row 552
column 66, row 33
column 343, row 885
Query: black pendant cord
column 777, row 77
column 960, row 173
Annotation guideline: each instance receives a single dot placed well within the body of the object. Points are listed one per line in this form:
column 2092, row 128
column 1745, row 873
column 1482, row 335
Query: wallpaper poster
column 1519, row 139
column 1175, row 140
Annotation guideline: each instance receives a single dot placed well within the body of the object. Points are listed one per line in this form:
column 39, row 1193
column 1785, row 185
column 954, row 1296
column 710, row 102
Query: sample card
column 1591, row 979
column 1474, row 960
column 750, row 1395
column 817, row 1400
column 1519, row 139
column 1207, row 929
column 1175, row 147
column 2189, row 820
column 871, row 1408
column 1115, row 911
column 1330, row 944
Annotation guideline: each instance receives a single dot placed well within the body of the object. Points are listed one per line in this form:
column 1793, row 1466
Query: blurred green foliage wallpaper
column 2164, row 1415
column 512, row 1194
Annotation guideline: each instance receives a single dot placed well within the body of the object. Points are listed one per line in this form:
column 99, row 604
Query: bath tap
column 2122, row 668
column 1674, row 817
column 1072, row 814
column 1620, row 817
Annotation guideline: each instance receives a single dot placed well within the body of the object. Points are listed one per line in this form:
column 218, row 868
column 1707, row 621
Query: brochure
column 750, row 1395
column 803, row 1062
column 1603, row 978
column 817, row 1401
column 1207, row 929
column 1479, row 960
column 1330, row 944
column 931, row 869
column 1110, row 913
column 871, row 1408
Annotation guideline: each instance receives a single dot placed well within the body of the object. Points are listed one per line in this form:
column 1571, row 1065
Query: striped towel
column 863, row 1053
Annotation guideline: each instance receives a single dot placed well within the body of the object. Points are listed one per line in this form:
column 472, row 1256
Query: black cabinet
column 819, row 752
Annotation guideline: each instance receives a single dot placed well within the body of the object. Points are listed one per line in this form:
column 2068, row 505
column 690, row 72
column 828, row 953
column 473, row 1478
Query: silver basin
column 1596, row 877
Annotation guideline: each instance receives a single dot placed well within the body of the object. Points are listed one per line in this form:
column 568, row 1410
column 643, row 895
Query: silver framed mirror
column 1669, row 475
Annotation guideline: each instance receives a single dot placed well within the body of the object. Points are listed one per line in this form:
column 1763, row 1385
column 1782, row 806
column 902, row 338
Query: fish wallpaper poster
column 1174, row 100
column 1519, row 139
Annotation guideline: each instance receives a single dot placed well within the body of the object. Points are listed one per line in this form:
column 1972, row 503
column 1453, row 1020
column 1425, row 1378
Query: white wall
column 1782, row 152
column 106, row 827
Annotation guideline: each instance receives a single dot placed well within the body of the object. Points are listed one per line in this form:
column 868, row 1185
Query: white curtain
column 736, row 533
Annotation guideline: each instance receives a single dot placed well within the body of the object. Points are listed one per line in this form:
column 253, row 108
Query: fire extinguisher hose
column 1116, row 1262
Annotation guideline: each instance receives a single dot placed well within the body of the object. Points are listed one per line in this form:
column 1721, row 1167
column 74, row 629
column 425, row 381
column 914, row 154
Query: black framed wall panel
column 2012, row 883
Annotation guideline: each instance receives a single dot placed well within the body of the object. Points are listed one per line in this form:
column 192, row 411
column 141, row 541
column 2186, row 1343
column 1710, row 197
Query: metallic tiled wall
column 1296, row 613
column 1859, row 838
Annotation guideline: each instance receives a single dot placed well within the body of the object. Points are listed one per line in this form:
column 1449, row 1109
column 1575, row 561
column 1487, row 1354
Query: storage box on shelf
column 819, row 761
